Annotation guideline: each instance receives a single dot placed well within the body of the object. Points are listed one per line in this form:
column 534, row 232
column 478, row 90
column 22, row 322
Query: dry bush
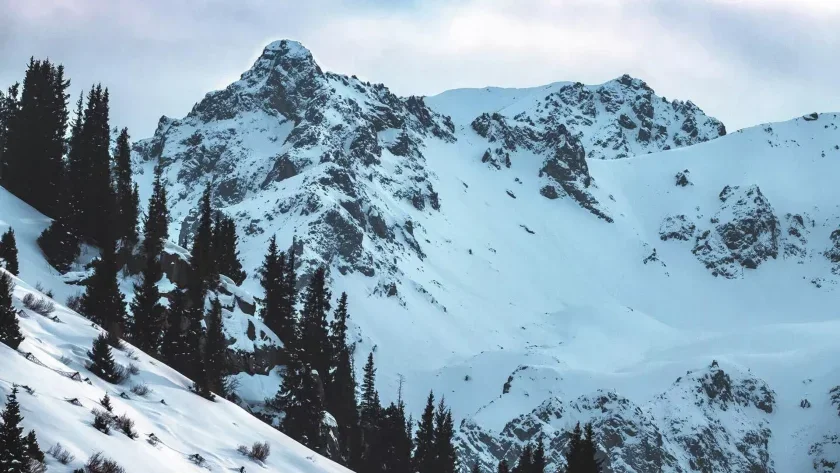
column 60, row 454
column 39, row 305
column 99, row 463
column 125, row 425
column 141, row 389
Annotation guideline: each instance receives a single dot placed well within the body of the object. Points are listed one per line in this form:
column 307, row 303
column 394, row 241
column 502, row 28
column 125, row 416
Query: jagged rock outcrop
column 693, row 426
column 677, row 227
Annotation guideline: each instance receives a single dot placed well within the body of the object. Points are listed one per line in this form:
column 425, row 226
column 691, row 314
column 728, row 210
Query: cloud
column 745, row 61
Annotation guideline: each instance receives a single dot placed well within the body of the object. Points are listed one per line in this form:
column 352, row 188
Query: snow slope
column 486, row 258
column 184, row 423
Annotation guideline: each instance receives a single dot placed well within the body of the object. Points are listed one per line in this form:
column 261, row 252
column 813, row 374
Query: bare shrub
column 125, row 425
column 259, row 451
column 99, row 463
column 36, row 467
column 133, row 369
column 40, row 288
column 39, row 305
column 60, row 454
column 141, row 389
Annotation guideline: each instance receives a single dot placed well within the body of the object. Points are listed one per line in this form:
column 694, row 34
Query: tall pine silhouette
column 14, row 457
column 316, row 348
column 215, row 348
column 9, row 252
column 9, row 328
column 127, row 200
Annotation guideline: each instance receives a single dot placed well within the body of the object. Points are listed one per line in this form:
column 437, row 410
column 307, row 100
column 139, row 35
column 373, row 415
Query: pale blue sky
column 744, row 61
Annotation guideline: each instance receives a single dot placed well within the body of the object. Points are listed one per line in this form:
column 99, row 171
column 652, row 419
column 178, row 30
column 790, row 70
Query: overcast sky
column 743, row 61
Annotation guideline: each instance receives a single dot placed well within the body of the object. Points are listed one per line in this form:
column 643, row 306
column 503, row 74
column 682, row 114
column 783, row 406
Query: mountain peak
column 287, row 48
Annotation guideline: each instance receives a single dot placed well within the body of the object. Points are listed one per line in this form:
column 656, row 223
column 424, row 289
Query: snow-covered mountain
column 176, row 430
column 495, row 249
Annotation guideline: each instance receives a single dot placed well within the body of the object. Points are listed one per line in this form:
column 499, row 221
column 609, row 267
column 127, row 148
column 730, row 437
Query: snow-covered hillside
column 57, row 393
column 489, row 257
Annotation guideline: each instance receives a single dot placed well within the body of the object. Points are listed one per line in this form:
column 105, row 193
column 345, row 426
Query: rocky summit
column 543, row 256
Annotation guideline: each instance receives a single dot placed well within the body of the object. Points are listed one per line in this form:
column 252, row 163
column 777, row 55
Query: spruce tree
column 446, row 456
column 371, row 420
column 289, row 295
column 395, row 438
column 197, row 368
column 425, row 451
column 9, row 106
column 102, row 361
column 539, row 461
column 272, row 279
column 106, row 403
column 156, row 221
column 147, row 311
column 13, row 448
column 102, row 302
column 125, row 193
column 215, row 348
column 316, row 347
column 224, row 248
column 9, row 328
column 574, row 451
column 9, row 252
column 203, row 272
column 525, row 463
column 174, row 348
column 300, row 401
column 33, row 450
column 503, row 467
column 588, row 450
column 476, row 468
column 341, row 397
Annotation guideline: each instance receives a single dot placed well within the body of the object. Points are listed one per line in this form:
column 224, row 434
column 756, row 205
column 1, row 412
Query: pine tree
column 146, row 308
column 215, row 348
column 203, row 271
column 156, row 221
column 589, row 464
column 289, row 295
column 106, row 403
column 446, row 456
column 370, row 421
column 13, row 451
column 174, row 348
column 9, row 106
column 32, row 449
column 9, row 328
column 300, row 401
column 102, row 302
column 33, row 149
column 102, row 361
column 126, row 196
column 316, row 347
column 272, row 279
column 574, row 457
column 224, row 249
column 503, row 467
column 395, row 435
column 341, row 397
column 476, row 468
column 425, row 452
column 526, row 460
column 197, row 367
column 9, row 252
column 539, row 461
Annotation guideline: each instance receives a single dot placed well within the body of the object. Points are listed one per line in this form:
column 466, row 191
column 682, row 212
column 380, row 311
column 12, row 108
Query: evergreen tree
column 13, row 448
column 476, row 468
column 300, row 401
column 106, row 403
column 215, row 348
column 9, row 252
column 503, row 467
column 156, row 221
column 224, row 249
column 102, row 302
column 526, row 460
column 34, row 138
column 425, row 451
column 9, row 328
column 102, row 361
column 100, row 205
column 574, row 452
column 9, row 106
column 589, row 464
column 316, row 348
column 370, row 421
column 32, row 449
column 539, row 461
column 289, row 295
column 446, row 456
column 341, row 397
column 395, row 435
column 272, row 279
column 146, row 308
column 197, row 367
column 203, row 273
column 174, row 348
column 126, row 193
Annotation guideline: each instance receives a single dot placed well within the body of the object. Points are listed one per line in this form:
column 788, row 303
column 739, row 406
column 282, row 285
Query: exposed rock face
column 621, row 118
column 697, row 421
column 677, row 227
column 682, row 178
column 833, row 252
column 287, row 120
